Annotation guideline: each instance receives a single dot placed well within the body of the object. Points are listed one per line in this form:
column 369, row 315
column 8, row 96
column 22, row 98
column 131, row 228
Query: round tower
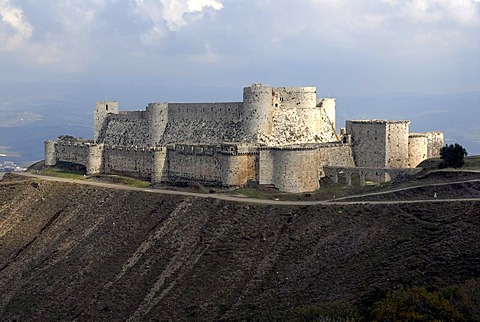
column 417, row 148
column 50, row 157
column 102, row 110
column 257, row 110
column 160, row 165
column 157, row 121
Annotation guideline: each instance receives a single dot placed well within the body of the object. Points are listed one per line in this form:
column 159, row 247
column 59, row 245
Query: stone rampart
column 87, row 154
column 203, row 123
column 129, row 160
column 226, row 165
column 238, row 169
column 220, row 112
column 126, row 129
column 186, row 167
column 72, row 152
column 334, row 155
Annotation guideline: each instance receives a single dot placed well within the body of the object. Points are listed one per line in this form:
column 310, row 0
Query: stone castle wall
column 132, row 161
column 435, row 143
column 379, row 143
column 102, row 111
column 334, row 155
column 369, row 139
column 210, row 164
column 295, row 170
column 157, row 122
column 270, row 116
column 299, row 168
column 209, row 123
column 397, row 144
column 87, row 154
column 194, row 163
column 126, row 129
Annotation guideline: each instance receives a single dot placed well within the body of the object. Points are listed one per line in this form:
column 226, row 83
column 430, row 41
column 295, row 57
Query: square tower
column 379, row 143
column 102, row 110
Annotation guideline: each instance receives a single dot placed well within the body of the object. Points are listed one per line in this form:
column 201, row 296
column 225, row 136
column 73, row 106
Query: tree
column 452, row 156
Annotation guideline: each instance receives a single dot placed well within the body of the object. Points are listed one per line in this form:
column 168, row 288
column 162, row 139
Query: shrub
column 467, row 299
column 415, row 304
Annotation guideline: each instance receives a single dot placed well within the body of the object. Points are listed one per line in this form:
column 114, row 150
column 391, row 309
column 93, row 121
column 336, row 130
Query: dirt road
column 338, row 201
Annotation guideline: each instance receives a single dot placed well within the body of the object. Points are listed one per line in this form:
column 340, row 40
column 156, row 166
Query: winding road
column 226, row 197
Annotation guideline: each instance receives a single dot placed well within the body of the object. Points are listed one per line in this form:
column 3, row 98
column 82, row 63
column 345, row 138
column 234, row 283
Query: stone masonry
column 280, row 136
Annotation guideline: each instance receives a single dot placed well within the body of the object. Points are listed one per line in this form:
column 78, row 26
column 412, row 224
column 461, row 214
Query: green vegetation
column 117, row 179
column 454, row 303
column 467, row 299
column 472, row 162
column 415, row 304
column 452, row 156
column 60, row 173
column 132, row 182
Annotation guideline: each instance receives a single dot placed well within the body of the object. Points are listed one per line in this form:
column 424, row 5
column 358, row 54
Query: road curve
column 338, row 201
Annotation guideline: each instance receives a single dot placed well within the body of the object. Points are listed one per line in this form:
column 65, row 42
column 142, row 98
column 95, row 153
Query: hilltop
column 70, row 251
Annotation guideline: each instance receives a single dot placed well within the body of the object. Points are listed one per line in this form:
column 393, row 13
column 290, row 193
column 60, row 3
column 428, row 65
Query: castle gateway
column 281, row 136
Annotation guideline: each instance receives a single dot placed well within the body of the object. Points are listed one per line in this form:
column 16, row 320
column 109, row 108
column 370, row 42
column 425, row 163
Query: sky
column 344, row 47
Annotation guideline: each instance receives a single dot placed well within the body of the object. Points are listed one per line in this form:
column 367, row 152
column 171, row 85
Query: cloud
column 370, row 43
column 171, row 15
column 14, row 27
column 55, row 33
column 433, row 11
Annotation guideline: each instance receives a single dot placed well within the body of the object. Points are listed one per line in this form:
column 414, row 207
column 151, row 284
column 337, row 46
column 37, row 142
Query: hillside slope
column 71, row 252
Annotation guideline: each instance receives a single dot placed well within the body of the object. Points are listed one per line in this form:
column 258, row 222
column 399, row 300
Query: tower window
column 106, row 107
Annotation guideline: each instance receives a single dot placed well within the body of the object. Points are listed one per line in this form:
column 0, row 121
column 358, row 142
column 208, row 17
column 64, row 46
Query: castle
column 280, row 136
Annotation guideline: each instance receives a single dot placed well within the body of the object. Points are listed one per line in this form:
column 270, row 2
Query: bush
column 415, row 304
column 468, row 299
column 453, row 156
